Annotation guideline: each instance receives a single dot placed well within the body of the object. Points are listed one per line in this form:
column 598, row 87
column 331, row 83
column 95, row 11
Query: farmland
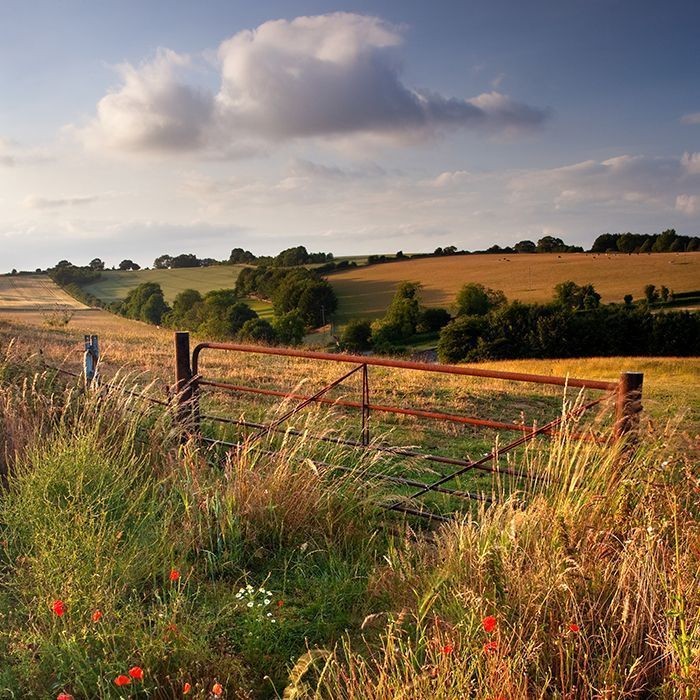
column 367, row 291
column 108, row 514
column 114, row 285
column 33, row 293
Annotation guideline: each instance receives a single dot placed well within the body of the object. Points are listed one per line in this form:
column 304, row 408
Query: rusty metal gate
column 190, row 383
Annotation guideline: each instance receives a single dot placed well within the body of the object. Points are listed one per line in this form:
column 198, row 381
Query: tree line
column 486, row 326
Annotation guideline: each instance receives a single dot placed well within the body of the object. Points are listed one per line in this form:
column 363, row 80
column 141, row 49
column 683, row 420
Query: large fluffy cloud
column 329, row 75
column 154, row 109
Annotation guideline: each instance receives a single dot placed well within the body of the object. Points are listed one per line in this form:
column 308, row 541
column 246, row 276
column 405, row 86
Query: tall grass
column 589, row 571
column 593, row 586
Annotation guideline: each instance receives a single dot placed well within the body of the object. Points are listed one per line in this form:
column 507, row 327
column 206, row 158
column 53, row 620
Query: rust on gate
column 626, row 394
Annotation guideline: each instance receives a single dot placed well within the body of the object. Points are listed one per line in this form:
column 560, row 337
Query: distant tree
column 404, row 310
column 96, row 264
column 576, row 297
column 258, row 330
column 238, row 256
column 474, row 299
column 128, row 265
column 292, row 256
column 664, row 241
column 162, row 262
column 185, row 260
column 289, row 328
column 664, row 293
column 650, row 294
column 525, row 246
column 628, row 300
column 14, row 271
column 432, row 319
column 550, row 244
column 145, row 303
column 449, row 250
column 400, row 255
column 64, row 263
column 356, row 335
column 438, row 251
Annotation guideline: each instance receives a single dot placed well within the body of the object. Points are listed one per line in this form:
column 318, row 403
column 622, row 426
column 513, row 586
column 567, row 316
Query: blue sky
column 132, row 129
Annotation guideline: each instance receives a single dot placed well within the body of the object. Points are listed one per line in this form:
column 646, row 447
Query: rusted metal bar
column 390, row 450
column 417, row 413
column 403, row 364
column 309, row 400
column 373, row 475
column 629, row 403
column 507, row 448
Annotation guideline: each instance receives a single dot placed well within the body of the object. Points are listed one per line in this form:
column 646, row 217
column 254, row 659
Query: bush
column 357, row 335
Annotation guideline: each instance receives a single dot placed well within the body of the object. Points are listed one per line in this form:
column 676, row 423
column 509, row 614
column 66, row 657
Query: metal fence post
column 629, row 403
column 186, row 412
column 91, row 357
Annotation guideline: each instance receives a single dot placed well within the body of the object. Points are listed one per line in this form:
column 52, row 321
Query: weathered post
column 90, row 358
column 629, row 403
column 185, row 389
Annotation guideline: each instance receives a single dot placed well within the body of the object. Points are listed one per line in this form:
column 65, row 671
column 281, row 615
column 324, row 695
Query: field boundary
column 626, row 393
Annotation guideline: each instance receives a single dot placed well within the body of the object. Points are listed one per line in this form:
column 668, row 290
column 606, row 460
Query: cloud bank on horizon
column 323, row 76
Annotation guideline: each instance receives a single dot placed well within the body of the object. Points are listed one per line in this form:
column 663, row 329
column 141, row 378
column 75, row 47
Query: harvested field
column 367, row 291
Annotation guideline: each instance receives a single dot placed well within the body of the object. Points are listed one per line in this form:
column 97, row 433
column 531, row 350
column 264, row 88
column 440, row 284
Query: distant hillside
column 114, row 285
column 367, row 291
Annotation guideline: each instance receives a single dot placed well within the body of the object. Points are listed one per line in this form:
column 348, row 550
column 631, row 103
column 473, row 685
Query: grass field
column 33, row 293
column 367, row 291
column 256, row 575
column 114, row 285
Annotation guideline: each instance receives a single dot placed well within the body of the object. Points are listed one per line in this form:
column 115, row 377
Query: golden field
column 367, row 291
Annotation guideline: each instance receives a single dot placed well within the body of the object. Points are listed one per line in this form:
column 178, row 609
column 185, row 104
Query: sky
column 132, row 129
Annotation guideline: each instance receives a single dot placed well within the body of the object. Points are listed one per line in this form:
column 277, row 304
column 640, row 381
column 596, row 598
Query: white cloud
column 691, row 119
column 13, row 153
column 691, row 163
column 153, row 110
column 36, row 202
column 323, row 76
column 688, row 204
column 450, row 177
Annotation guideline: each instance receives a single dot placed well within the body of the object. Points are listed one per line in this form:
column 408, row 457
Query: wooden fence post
column 90, row 358
column 629, row 403
column 185, row 387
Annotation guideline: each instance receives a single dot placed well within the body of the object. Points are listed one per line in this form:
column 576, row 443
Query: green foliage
column 432, row 319
column 258, row 330
column 519, row 330
column 145, row 303
column 289, row 328
column 404, row 311
column 128, row 265
column 357, row 335
column 576, row 297
column 666, row 241
column 240, row 256
column 476, row 300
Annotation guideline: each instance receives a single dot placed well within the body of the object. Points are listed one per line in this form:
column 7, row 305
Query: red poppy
column 136, row 672
column 121, row 679
column 217, row 690
column 59, row 608
column 64, row 696
column 489, row 624
column 97, row 616
column 491, row 646
column 447, row 649
column 174, row 574
column 280, row 603
column 573, row 627
column 186, row 688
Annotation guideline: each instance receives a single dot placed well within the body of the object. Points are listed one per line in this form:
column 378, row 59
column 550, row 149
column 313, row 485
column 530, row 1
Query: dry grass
column 367, row 291
column 33, row 293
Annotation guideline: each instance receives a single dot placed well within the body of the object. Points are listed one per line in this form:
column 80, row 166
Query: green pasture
column 114, row 285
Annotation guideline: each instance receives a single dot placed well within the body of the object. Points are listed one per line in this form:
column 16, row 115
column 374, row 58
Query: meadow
column 263, row 572
column 367, row 291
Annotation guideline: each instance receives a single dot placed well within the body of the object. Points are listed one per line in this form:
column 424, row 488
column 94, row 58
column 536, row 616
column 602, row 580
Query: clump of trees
column 297, row 290
column 574, row 324
column 405, row 319
column 667, row 241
